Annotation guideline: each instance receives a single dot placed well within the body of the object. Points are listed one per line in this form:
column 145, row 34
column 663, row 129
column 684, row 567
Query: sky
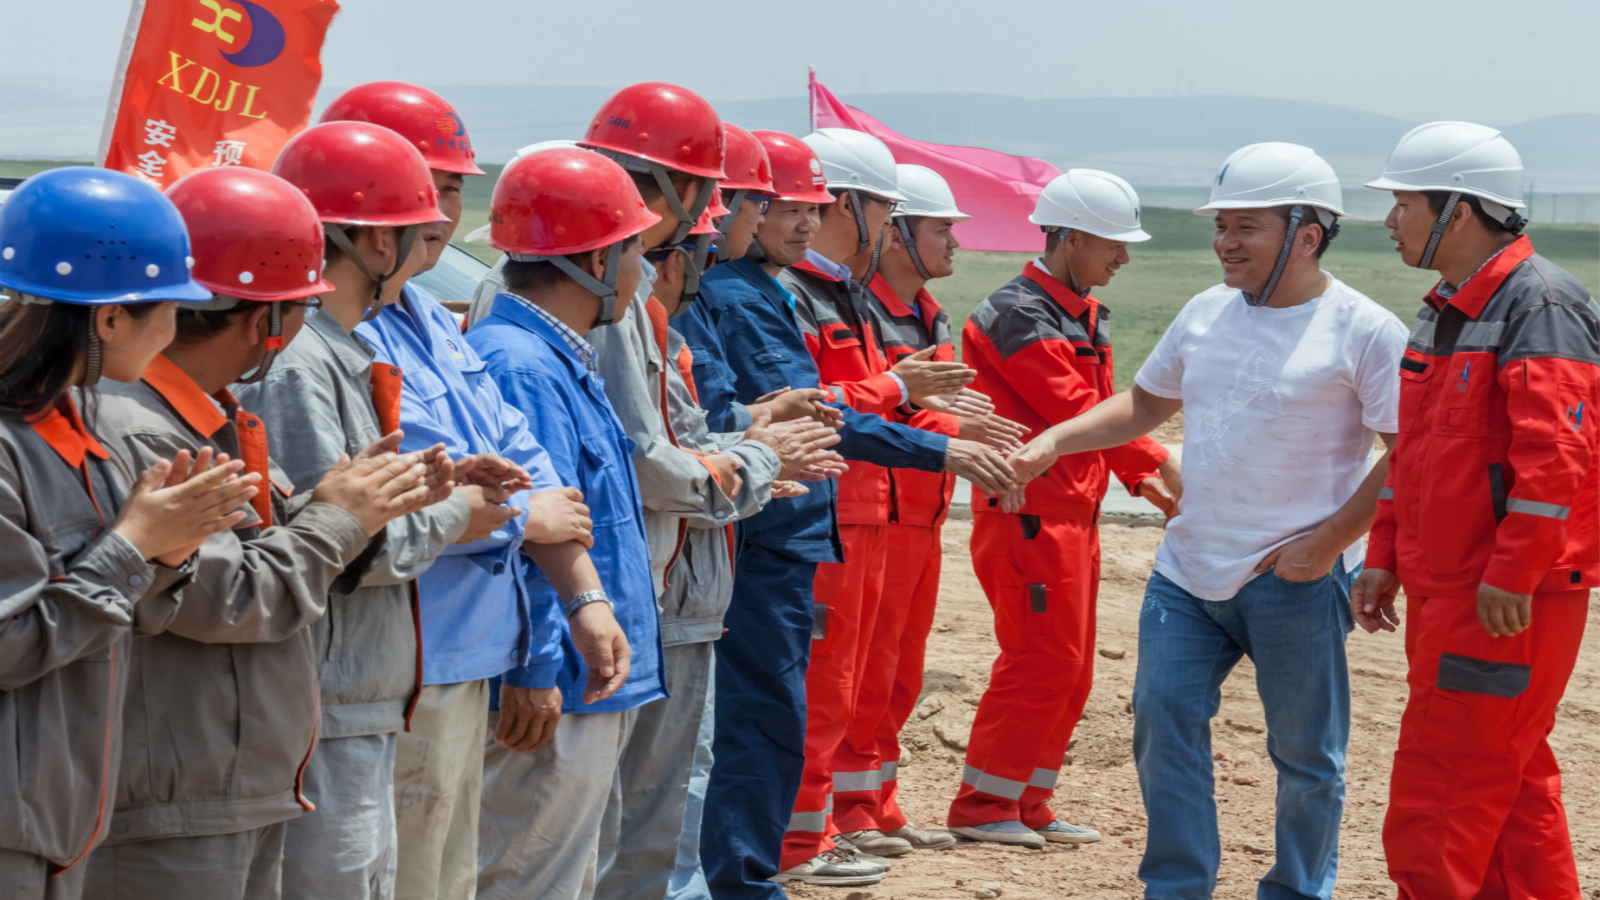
column 1482, row 60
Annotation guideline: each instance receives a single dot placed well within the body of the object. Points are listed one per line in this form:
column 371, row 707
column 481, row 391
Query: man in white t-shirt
column 1285, row 376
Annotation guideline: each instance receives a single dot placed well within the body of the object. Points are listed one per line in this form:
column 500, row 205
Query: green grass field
column 1163, row 274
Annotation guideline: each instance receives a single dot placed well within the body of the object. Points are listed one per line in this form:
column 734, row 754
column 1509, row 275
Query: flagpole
column 811, row 96
column 130, row 36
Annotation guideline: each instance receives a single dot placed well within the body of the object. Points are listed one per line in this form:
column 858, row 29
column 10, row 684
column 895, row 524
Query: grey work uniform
column 645, row 818
column 223, row 710
column 317, row 402
column 70, row 594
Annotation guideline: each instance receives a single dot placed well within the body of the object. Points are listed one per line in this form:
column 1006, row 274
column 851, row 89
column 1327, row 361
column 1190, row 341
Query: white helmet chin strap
column 910, row 242
column 605, row 289
column 863, row 238
column 1072, row 280
column 1297, row 214
column 1509, row 220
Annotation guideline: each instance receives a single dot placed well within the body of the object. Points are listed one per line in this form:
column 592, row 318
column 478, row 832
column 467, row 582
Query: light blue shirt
column 474, row 607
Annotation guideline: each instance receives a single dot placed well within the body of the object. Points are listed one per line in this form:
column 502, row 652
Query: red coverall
column 1492, row 480
column 1043, row 353
column 864, row 766
column 833, row 316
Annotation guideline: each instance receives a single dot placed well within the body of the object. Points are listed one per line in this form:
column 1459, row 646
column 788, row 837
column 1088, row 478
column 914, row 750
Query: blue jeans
column 1295, row 634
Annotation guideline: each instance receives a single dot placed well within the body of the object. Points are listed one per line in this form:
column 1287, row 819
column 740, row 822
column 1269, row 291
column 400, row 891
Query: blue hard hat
column 94, row 237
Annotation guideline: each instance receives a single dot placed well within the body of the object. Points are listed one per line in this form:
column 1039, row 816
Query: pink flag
column 998, row 190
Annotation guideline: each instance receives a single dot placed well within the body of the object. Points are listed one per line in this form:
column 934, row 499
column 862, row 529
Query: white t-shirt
column 1281, row 407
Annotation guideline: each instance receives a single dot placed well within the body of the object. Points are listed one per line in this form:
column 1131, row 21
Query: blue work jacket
column 474, row 608
column 763, row 349
column 566, row 406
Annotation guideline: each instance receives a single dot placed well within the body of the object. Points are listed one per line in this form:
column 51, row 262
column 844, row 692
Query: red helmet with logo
column 356, row 173
column 661, row 123
column 746, row 163
column 796, row 171
column 254, row 236
column 558, row 202
column 420, row 116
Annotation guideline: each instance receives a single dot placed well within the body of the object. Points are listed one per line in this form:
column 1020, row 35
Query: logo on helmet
column 816, row 167
column 1223, row 174
column 450, row 123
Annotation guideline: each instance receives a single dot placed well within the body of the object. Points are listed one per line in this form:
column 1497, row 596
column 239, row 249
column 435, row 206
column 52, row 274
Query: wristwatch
column 586, row 598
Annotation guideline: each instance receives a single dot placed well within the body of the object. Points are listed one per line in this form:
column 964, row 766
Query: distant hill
column 1152, row 141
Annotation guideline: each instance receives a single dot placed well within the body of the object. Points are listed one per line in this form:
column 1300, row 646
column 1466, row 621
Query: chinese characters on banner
column 212, row 83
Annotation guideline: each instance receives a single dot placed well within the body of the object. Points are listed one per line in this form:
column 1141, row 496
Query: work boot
column 849, row 849
column 1061, row 833
column 876, row 843
column 831, row 867
column 924, row 838
column 1012, row 832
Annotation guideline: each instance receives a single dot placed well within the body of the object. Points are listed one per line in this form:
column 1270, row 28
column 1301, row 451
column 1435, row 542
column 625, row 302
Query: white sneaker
column 1012, row 832
column 1061, row 833
column 874, row 842
column 848, row 848
column 831, row 867
column 923, row 838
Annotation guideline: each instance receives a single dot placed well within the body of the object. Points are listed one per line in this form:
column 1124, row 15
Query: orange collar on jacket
column 1477, row 290
column 927, row 307
column 191, row 404
column 1063, row 295
column 63, row 429
column 806, row 265
column 188, row 400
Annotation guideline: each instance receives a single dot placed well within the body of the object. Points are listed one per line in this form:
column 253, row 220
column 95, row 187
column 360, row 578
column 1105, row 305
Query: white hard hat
column 927, row 194
column 547, row 145
column 1275, row 174
column 855, row 160
column 478, row 234
column 1091, row 201
column 1458, row 157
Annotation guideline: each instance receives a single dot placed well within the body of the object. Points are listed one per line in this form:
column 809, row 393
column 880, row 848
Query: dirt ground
column 1098, row 786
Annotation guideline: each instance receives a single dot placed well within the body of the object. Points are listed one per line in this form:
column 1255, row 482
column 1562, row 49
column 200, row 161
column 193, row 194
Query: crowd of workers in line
column 621, row 588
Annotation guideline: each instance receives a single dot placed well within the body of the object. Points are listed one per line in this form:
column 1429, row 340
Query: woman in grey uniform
column 90, row 262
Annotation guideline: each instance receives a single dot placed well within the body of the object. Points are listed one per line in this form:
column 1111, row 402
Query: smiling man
column 1285, row 376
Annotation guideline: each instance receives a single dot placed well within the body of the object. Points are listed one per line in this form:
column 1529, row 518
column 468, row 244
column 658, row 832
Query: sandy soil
column 1098, row 786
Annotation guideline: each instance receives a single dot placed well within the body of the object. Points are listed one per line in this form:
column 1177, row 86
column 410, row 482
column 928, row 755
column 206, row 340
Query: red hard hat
column 796, row 171
column 252, row 234
column 716, row 207
column 360, row 174
column 662, row 123
column 556, row 202
column 746, row 163
column 422, row 117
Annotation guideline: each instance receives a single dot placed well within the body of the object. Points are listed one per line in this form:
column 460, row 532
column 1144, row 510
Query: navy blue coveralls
column 743, row 326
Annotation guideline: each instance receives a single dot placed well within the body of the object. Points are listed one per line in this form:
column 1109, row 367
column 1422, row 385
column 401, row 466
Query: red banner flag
column 996, row 189
column 212, row 83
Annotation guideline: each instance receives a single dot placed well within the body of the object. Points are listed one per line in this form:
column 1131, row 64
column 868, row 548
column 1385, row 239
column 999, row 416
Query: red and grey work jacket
column 835, row 318
column 1043, row 354
column 1493, row 477
column 920, row 498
